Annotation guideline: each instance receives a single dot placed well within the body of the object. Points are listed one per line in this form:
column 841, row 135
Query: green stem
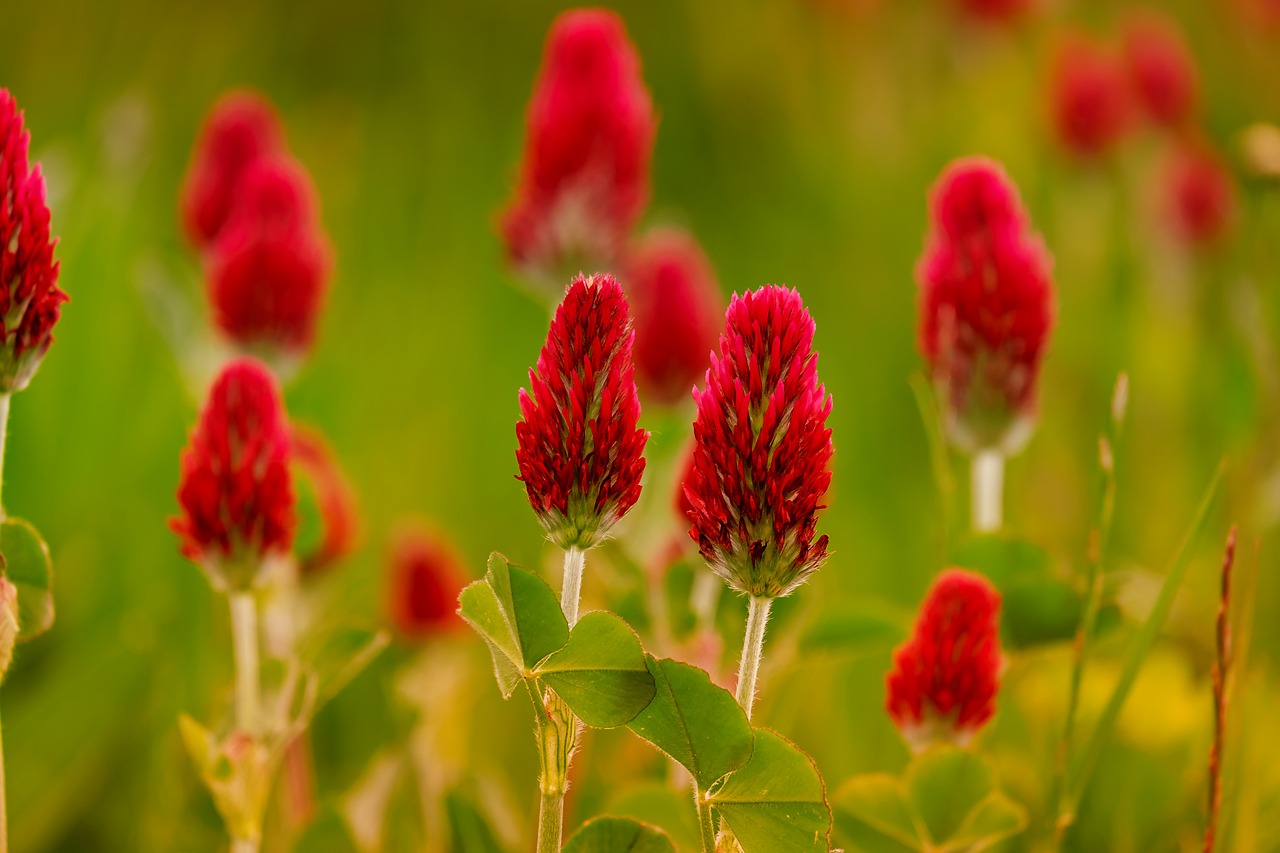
column 575, row 560
column 4, row 432
column 987, row 491
column 244, row 633
column 4, row 815
column 706, row 829
column 752, row 650
column 557, row 730
column 550, row 821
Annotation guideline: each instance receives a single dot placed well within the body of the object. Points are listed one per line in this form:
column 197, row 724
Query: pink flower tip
column 268, row 270
column 986, row 306
column 945, row 678
column 241, row 128
column 590, row 128
column 235, row 492
column 762, row 448
column 1161, row 69
column 424, row 579
column 579, row 449
column 30, row 299
column 1090, row 96
column 677, row 307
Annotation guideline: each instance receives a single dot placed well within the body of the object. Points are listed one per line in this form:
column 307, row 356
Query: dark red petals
column 945, row 678
column 761, row 448
column 1161, row 69
column 424, row 580
column 235, row 490
column 1090, row 96
column 677, row 308
column 30, row 300
column 335, row 499
column 1199, row 195
column 580, row 452
column 590, row 129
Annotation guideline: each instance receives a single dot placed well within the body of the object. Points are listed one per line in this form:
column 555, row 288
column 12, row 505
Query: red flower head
column 762, row 448
column 424, row 581
column 240, row 128
column 580, row 452
column 1199, row 195
column 986, row 306
column 268, row 270
column 993, row 11
column 585, row 177
column 1090, row 96
column 676, row 302
column 334, row 499
column 944, row 679
column 1161, row 69
column 30, row 300
column 235, row 492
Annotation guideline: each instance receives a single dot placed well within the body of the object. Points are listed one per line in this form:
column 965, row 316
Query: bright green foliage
column 697, row 723
column 858, row 628
column 328, row 833
column 28, row 567
column 618, row 835
column 947, row 802
column 1037, row 605
column 777, row 802
column 600, row 673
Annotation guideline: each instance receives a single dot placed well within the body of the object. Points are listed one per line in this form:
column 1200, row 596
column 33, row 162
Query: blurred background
column 797, row 141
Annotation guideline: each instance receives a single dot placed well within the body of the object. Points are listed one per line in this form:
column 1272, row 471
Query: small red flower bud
column 425, row 577
column 580, row 451
column 268, row 269
column 235, row 491
column 1090, row 96
column 334, row 497
column 30, row 300
column 240, row 128
column 993, row 11
column 986, row 306
column 762, row 448
column 677, row 308
column 1199, row 195
column 945, row 678
column 590, row 130
column 1161, row 69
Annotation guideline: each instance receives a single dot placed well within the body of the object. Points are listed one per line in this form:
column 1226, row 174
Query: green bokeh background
column 797, row 141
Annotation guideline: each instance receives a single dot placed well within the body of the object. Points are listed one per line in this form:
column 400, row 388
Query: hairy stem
column 4, row 814
column 706, row 829
column 575, row 559
column 557, row 738
column 987, row 491
column 245, row 845
column 752, row 650
column 244, row 634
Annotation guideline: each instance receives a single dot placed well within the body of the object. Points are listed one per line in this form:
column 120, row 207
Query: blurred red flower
column 1199, row 196
column 1162, row 71
column 425, row 577
column 335, row 499
column 1089, row 96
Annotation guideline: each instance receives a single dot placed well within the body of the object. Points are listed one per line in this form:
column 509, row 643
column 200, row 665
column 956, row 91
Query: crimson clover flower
column 1161, row 69
column 590, row 128
column 335, row 501
column 268, row 269
column 1199, row 196
column 762, row 448
column 241, row 128
column 945, row 678
column 1090, row 96
column 986, row 306
column 30, row 300
column 425, row 578
column 235, row 491
column 580, row 452
column 677, row 308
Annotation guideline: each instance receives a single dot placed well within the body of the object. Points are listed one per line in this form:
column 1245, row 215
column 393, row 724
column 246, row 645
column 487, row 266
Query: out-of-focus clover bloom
column 335, row 500
column 590, row 128
column 986, row 306
column 235, row 492
column 762, row 448
column 30, row 299
column 1199, row 195
column 424, row 580
column 677, row 308
column 1162, row 71
column 945, row 678
column 1089, row 95
column 580, row 452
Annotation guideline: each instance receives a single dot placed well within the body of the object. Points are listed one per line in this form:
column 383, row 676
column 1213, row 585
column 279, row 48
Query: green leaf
column 28, row 567
column 696, row 722
column 776, row 803
column 618, row 835
column 1037, row 605
column 469, row 828
column 659, row 804
column 600, row 673
column 519, row 617
column 328, row 833
column 948, row 802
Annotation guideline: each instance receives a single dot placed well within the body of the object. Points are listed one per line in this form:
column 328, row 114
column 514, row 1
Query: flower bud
column 590, row 130
column 762, row 448
column 580, row 451
column 945, row 678
column 677, row 307
column 986, row 307
column 425, row 578
column 1161, row 69
column 30, row 300
column 334, row 498
column 1199, row 196
column 1090, row 99
column 235, row 491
